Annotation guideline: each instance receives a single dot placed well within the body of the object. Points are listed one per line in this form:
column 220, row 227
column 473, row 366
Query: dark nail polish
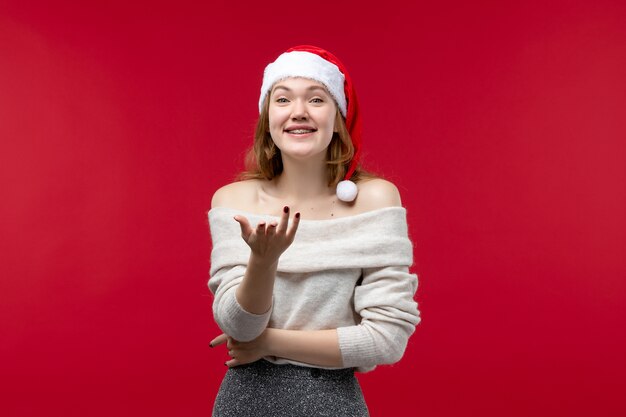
column 210, row 345
column 298, row 215
column 286, row 209
column 225, row 364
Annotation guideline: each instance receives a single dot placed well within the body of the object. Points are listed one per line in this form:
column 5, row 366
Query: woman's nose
column 299, row 109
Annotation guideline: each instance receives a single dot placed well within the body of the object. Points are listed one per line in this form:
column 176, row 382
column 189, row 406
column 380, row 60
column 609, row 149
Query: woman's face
column 304, row 103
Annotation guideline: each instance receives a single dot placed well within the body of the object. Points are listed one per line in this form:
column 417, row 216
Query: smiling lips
column 300, row 130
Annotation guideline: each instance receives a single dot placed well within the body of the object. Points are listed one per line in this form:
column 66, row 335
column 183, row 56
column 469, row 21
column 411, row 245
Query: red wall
column 502, row 124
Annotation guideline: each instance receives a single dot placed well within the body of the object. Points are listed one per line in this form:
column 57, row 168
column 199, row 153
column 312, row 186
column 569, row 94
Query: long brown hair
column 263, row 159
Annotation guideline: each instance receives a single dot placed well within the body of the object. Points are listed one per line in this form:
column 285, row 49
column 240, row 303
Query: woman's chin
column 302, row 154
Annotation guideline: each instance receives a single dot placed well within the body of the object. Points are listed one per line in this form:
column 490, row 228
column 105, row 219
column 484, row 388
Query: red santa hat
column 315, row 63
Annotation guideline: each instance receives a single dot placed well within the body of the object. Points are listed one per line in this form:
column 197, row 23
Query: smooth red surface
column 503, row 125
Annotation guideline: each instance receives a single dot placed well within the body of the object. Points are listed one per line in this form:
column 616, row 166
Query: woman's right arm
column 253, row 293
column 267, row 242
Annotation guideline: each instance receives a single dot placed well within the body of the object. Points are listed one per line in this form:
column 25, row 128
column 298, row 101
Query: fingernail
column 225, row 364
column 298, row 215
column 286, row 209
column 210, row 345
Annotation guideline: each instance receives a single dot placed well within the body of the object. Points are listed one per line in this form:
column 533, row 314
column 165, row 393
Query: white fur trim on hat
column 307, row 65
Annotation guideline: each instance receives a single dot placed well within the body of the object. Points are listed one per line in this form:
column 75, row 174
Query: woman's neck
column 302, row 180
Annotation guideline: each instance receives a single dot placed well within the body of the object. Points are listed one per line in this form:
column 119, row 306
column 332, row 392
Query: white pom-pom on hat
column 346, row 190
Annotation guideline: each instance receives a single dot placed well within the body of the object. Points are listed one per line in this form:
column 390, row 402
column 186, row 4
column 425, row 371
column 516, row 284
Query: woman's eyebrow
column 313, row 87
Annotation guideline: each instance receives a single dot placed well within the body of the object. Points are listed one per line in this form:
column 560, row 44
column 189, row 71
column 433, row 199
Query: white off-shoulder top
column 348, row 273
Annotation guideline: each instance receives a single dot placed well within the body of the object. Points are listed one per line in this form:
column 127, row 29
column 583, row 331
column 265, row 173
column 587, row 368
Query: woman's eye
column 284, row 100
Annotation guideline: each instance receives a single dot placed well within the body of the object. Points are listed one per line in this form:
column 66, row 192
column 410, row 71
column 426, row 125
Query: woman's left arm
column 315, row 347
column 389, row 314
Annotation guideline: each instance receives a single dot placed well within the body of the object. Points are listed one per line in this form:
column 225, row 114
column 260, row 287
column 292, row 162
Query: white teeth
column 301, row 131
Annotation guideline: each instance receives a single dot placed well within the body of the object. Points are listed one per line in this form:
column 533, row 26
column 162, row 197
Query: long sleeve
column 389, row 314
column 228, row 313
column 229, row 260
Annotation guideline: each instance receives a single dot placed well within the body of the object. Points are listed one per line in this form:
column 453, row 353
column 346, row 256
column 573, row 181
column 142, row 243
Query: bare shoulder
column 238, row 194
column 378, row 193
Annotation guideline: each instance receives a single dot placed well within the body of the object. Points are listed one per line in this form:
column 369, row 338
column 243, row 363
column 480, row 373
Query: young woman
column 311, row 255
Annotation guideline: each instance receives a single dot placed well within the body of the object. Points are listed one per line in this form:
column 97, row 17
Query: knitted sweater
column 349, row 273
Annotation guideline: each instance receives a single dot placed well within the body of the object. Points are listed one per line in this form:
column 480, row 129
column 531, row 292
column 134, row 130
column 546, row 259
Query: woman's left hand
column 243, row 352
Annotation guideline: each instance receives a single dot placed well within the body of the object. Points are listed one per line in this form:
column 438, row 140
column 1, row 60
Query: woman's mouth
column 300, row 132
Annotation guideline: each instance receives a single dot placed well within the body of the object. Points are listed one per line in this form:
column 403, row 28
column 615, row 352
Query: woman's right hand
column 269, row 241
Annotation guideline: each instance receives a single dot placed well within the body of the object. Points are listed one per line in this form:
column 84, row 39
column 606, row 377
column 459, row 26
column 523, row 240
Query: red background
column 502, row 124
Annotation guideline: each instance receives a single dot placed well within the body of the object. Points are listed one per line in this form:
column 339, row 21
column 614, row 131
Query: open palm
column 269, row 241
